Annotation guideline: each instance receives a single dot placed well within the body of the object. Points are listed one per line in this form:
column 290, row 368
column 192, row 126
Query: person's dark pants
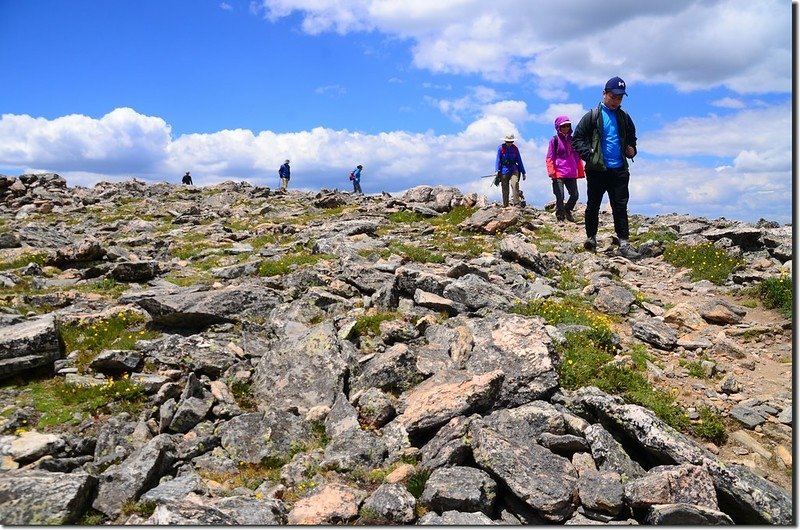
column 558, row 191
column 615, row 183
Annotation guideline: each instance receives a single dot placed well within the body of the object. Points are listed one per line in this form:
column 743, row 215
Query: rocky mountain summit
column 239, row 355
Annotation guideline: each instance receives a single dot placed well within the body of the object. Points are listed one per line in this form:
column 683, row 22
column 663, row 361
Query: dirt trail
column 765, row 374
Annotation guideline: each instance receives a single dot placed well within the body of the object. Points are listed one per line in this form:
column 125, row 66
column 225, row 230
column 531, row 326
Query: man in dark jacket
column 605, row 138
column 285, row 174
column 187, row 179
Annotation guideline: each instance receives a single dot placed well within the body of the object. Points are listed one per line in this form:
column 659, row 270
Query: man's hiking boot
column 569, row 216
column 590, row 244
column 627, row 251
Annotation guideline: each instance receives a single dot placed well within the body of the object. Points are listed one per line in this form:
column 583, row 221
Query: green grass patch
column 412, row 252
column 568, row 280
column 569, row 310
column 371, row 324
column 249, row 476
column 91, row 518
column 454, row 217
column 405, row 217
column 243, row 395
column 706, row 262
column 545, row 238
column 416, row 482
column 24, row 286
column 464, row 244
column 107, row 286
column 23, row 261
column 586, row 361
column 186, row 280
column 58, row 402
column 695, row 368
column 710, row 426
column 640, row 355
column 639, row 391
column 260, row 241
column 776, row 293
column 187, row 251
column 209, row 262
column 546, row 233
column 143, row 509
column 119, row 332
column 286, row 264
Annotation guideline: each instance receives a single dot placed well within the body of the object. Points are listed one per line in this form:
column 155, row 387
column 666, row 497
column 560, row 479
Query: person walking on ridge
column 285, row 174
column 508, row 168
column 564, row 167
column 605, row 138
column 355, row 176
column 187, row 179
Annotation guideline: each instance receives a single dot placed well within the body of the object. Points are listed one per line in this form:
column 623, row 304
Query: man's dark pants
column 615, row 183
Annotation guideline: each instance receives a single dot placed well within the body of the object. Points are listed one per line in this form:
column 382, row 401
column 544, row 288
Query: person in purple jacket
column 509, row 167
column 565, row 167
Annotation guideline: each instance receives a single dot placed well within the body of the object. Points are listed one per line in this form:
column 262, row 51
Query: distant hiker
column 565, row 167
column 508, row 167
column 355, row 176
column 285, row 174
column 187, row 179
column 605, row 138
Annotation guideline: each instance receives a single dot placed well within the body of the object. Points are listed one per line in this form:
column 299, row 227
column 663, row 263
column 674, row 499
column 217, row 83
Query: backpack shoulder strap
column 555, row 143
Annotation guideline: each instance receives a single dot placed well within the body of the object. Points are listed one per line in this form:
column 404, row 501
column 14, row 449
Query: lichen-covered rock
column 29, row 344
column 543, row 480
column 460, row 488
column 33, row 498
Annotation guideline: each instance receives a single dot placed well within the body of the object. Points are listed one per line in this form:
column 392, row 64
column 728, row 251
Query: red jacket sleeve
column 550, row 162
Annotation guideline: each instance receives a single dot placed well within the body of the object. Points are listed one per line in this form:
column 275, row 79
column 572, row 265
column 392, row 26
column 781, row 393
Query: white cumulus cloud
column 753, row 178
column 691, row 44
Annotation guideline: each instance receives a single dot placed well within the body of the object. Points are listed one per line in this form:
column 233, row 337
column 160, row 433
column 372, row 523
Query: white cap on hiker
column 509, row 138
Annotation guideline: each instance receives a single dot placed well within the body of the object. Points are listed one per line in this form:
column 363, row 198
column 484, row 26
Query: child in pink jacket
column 565, row 167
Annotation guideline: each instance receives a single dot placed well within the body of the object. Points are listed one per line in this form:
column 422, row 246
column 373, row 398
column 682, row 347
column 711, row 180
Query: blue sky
column 418, row 92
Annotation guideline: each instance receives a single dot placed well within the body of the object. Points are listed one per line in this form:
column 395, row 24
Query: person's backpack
column 353, row 175
column 504, row 151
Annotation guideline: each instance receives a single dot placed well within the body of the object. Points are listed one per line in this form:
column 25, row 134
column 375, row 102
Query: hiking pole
column 496, row 182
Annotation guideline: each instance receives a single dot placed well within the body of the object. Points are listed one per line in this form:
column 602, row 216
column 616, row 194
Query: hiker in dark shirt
column 187, row 179
column 605, row 139
column 355, row 176
column 285, row 173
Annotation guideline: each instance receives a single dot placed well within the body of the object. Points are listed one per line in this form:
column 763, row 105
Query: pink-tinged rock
column 334, row 503
column 446, row 395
